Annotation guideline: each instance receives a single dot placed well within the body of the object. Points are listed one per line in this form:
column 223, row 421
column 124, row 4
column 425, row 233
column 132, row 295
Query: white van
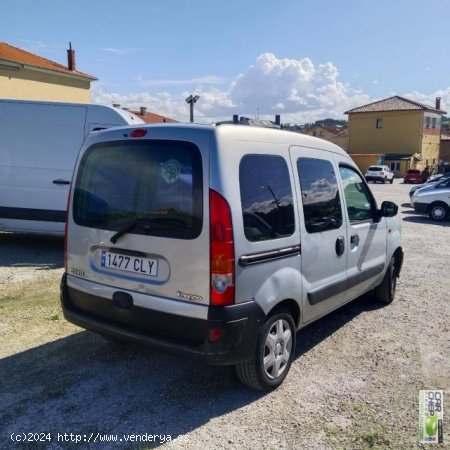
column 39, row 144
column 221, row 242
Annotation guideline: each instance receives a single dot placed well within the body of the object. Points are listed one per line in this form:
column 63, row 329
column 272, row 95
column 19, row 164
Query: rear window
column 413, row 172
column 375, row 169
column 156, row 184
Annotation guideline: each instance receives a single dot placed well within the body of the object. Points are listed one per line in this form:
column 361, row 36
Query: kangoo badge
column 170, row 170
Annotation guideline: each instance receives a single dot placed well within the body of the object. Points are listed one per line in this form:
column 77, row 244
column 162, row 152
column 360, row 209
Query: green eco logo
column 431, row 425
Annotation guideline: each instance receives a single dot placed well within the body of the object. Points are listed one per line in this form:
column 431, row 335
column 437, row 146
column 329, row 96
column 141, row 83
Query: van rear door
column 139, row 220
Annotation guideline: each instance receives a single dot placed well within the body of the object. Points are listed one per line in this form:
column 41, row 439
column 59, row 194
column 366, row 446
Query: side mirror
column 388, row 209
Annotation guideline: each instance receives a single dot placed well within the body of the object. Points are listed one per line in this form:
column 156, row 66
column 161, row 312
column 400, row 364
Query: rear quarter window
column 266, row 197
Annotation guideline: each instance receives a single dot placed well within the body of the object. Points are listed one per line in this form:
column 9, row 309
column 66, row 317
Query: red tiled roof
column 17, row 55
column 395, row 103
column 153, row 118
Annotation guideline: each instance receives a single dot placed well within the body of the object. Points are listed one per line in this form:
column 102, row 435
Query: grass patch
column 31, row 314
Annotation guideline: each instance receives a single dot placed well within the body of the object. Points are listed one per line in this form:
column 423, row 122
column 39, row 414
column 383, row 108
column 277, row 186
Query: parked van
column 39, row 144
column 221, row 242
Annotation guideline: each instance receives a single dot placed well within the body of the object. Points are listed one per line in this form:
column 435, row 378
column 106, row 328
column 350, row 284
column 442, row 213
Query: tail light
column 221, row 251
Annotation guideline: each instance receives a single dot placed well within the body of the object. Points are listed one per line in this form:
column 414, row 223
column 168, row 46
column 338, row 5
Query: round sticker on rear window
column 170, row 170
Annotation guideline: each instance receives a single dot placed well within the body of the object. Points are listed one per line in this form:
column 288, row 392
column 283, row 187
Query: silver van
column 220, row 242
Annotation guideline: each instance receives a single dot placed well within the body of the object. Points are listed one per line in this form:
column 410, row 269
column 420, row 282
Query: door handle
column 340, row 245
column 59, row 181
column 354, row 239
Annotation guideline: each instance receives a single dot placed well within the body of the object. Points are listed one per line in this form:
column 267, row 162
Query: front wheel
column 385, row 291
column 274, row 354
column 438, row 211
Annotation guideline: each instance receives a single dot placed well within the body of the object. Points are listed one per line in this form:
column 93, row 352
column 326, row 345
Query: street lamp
column 191, row 100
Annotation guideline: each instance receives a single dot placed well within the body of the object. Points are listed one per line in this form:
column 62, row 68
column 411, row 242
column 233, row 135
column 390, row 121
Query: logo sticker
column 170, row 170
column 431, row 417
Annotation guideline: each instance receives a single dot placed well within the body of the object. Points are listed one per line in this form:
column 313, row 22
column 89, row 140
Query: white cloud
column 298, row 89
column 121, row 51
column 430, row 99
column 207, row 79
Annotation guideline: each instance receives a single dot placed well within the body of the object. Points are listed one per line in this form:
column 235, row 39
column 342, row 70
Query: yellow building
column 26, row 76
column 396, row 131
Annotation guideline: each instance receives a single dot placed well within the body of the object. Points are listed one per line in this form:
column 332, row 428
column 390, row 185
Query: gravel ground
column 354, row 382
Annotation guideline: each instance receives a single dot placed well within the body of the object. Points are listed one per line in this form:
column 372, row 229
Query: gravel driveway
column 354, row 383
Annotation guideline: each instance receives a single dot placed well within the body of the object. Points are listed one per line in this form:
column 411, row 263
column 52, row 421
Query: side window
column 360, row 203
column 320, row 195
column 266, row 197
column 443, row 184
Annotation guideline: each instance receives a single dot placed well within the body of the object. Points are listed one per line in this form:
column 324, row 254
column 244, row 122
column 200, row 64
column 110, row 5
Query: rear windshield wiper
column 147, row 224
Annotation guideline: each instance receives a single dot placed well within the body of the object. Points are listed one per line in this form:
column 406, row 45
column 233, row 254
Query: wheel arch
column 289, row 305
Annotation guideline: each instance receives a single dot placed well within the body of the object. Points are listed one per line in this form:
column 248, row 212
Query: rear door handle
column 59, row 181
column 340, row 245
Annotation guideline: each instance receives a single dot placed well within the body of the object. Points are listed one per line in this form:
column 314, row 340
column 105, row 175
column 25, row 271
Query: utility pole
column 191, row 100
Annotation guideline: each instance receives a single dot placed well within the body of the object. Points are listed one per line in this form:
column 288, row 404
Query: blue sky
column 303, row 59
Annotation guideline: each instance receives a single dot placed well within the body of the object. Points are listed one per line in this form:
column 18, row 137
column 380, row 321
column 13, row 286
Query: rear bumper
column 374, row 178
column 169, row 332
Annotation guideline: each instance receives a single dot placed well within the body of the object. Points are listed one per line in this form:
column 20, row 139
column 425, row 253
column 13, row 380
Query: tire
column 385, row 291
column 438, row 211
column 392, row 180
column 384, row 180
column 275, row 351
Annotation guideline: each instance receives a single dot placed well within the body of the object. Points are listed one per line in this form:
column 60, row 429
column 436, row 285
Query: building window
column 433, row 122
column 314, row 133
column 395, row 166
column 427, row 122
column 379, row 123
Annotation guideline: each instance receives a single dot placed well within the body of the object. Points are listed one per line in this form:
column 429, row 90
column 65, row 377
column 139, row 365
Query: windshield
column 123, row 183
column 375, row 169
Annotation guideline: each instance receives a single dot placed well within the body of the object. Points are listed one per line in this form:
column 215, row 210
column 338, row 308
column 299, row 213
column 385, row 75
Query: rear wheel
column 385, row 291
column 438, row 211
column 392, row 180
column 274, row 354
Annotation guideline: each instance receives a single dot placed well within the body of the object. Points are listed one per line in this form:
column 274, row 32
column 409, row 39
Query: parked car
column 432, row 180
column 379, row 173
column 220, row 242
column 433, row 199
column 39, row 144
column 413, row 176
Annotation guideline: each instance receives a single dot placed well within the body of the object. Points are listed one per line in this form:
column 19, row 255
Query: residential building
column 444, row 154
column 26, row 76
column 333, row 133
column 150, row 117
column 396, row 131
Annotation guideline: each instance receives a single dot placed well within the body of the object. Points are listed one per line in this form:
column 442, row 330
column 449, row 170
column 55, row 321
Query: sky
column 303, row 59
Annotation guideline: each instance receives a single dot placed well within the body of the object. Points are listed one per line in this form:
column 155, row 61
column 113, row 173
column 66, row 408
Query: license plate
column 132, row 264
